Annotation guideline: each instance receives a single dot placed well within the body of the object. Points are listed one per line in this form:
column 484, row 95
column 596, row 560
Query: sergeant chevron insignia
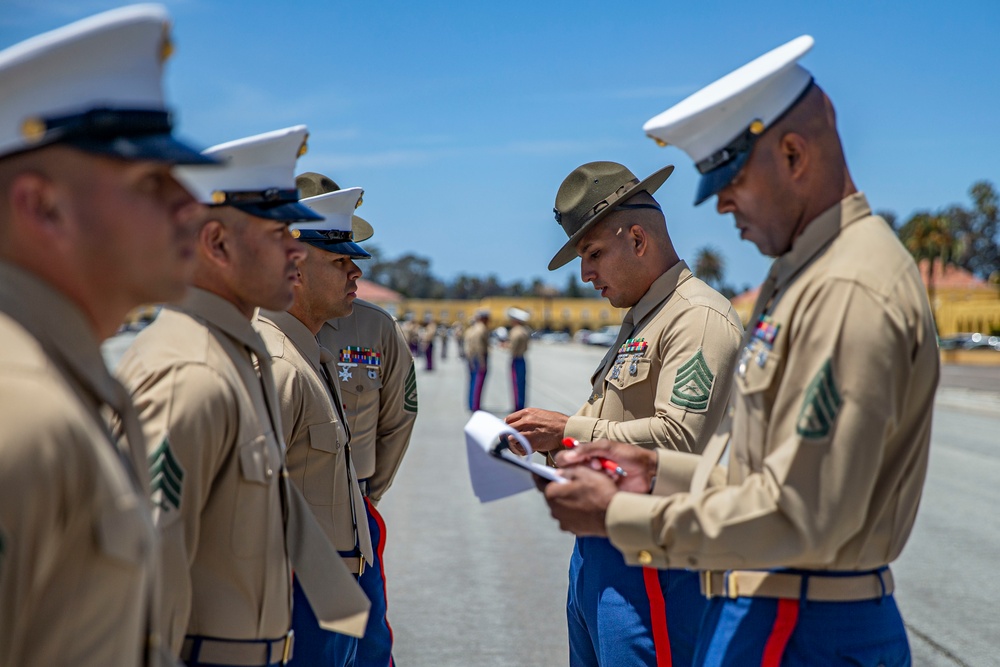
column 166, row 477
column 693, row 384
column 820, row 406
column 410, row 391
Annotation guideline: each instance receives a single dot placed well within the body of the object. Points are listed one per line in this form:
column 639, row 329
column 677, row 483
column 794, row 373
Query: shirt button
column 269, row 473
column 692, row 560
column 645, row 558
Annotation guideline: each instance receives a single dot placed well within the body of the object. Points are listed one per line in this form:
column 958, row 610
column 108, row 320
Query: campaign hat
column 590, row 193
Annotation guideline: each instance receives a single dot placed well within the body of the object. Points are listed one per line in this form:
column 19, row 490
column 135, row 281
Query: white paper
column 500, row 474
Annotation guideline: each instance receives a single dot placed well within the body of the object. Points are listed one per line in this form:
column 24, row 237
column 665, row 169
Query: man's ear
column 36, row 208
column 794, row 150
column 216, row 242
column 639, row 240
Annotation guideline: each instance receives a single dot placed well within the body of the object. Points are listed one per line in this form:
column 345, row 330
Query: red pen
column 607, row 464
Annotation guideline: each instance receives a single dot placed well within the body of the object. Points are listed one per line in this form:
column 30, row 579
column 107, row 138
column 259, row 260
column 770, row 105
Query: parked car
column 582, row 336
column 555, row 337
column 605, row 336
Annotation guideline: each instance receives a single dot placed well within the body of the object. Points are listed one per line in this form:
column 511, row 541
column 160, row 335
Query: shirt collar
column 295, row 331
column 223, row 315
column 61, row 328
column 817, row 235
column 660, row 290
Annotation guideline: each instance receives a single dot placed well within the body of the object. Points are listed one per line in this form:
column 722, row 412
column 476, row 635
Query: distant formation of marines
column 216, row 502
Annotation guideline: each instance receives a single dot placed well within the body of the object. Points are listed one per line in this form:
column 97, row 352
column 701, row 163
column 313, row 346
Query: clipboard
column 486, row 446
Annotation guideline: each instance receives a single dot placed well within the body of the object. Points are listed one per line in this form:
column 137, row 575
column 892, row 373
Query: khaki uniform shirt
column 665, row 382
column 319, row 454
column 217, row 463
column 378, row 388
column 78, row 556
column 518, row 337
column 832, row 421
column 477, row 342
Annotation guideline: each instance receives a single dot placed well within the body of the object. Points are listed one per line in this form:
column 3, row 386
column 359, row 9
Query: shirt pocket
column 123, row 534
column 364, row 382
column 326, row 444
column 260, row 470
column 634, row 390
column 757, row 374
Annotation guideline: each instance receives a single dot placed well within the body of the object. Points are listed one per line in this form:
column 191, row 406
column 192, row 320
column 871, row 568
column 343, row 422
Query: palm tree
column 931, row 237
column 710, row 266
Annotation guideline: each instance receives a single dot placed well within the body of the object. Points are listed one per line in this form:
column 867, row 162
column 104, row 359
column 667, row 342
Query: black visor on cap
column 349, row 248
column 155, row 147
column 283, row 212
column 732, row 157
column 712, row 182
column 129, row 134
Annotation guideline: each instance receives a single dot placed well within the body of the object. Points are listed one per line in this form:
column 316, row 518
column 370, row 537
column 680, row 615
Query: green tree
column 710, row 266
column 930, row 237
column 572, row 290
column 978, row 230
column 890, row 218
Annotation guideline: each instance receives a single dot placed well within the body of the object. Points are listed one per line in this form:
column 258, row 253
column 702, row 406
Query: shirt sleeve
column 397, row 412
column 842, row 389
column 189, row 417
column 701, row 343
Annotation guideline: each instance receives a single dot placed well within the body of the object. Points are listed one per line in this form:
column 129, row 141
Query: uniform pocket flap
column 628, row 373
column 363, row 380
column 254, row 462
column 326, row 437
column 757, row 368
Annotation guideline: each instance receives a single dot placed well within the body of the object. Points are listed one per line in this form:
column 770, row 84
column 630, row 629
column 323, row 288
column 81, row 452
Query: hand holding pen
column 638, row 463
column 607, row 464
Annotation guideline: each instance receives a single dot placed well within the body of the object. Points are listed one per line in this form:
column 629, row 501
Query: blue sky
column 461, row 118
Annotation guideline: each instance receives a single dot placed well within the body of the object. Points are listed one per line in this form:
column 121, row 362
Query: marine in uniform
column 833, row 397
column 320, row 451
column 375, row 374
column 232, row 526
column 476, row 343
column 517, row 338
column 92, row 224
column 428, row 333
column 663, row 384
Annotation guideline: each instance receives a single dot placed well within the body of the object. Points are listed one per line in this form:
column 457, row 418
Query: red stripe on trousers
column 381, row 552
column 781, row 632
column 657, row 617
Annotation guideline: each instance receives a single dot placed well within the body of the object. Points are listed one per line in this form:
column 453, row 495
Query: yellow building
column 553, row 313
column 962, row 303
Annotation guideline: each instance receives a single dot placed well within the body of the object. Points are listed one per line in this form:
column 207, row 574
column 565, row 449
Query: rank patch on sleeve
column 693, row 384
column 820, row 406
column 410, row 391
column 166, row 477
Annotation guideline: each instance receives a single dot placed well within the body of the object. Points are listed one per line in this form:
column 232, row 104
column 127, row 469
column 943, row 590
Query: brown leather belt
column 248, row 653
column 818, row 586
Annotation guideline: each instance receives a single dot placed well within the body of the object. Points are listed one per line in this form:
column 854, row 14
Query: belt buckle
column 286, row 651
column 729, row 581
